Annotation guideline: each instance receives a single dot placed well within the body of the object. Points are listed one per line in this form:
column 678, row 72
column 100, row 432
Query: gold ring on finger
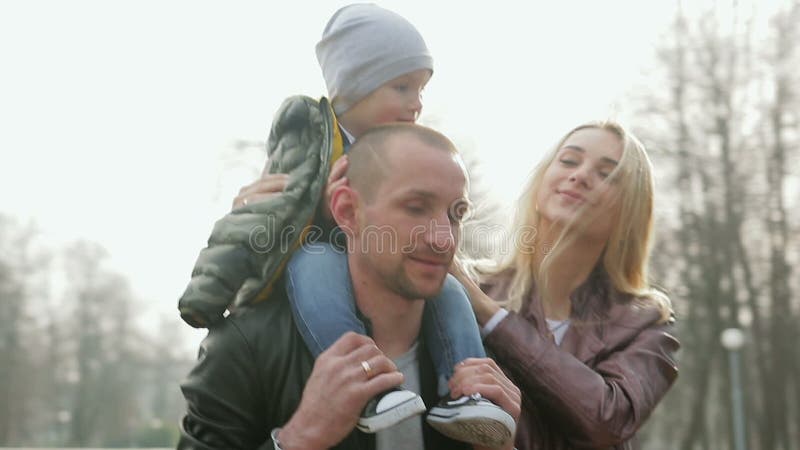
column 367, row 369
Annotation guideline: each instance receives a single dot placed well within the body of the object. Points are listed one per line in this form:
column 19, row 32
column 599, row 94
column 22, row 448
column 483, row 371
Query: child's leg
column 452, row 335
column 451, row 331
column 320, row 294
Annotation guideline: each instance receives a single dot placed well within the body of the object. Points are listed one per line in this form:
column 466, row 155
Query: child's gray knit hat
column 364, row 46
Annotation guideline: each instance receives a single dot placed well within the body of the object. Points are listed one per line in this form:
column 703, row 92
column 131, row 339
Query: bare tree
column 781, row 112
column 20, row 265
column 726, row 146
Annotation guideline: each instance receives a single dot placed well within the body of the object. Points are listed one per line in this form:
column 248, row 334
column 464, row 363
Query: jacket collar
column 583, row 338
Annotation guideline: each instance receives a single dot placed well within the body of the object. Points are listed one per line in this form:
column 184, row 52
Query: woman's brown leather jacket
column 616, row 361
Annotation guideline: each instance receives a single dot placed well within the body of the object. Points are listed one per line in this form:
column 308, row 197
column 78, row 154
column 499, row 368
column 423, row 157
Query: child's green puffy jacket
column 250, row 246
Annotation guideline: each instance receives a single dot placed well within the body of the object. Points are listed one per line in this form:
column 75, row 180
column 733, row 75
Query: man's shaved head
column 401, row 210
column 370, row 159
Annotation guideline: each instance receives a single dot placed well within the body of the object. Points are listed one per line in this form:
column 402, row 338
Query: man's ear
column 344, row 209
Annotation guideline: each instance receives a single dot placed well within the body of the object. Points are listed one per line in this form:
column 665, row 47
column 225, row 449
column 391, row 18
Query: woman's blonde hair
column 624, row 261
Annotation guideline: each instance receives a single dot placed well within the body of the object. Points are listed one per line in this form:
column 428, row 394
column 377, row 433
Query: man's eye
column 401, row 87
column 415, row 209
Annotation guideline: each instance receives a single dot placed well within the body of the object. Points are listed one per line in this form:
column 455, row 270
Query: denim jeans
column 321, row 295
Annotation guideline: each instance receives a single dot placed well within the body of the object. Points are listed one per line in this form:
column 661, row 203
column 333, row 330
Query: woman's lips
column 572, row 195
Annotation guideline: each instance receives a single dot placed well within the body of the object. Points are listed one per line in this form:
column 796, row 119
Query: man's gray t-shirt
column 408, row 433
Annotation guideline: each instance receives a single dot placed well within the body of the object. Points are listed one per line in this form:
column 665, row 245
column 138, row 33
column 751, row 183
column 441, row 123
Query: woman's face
column 576, row 182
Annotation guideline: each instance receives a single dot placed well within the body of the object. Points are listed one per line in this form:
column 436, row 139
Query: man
column 255, row 384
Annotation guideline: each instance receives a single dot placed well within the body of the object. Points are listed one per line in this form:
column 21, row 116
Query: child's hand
column 269, row 185
column 335, row 179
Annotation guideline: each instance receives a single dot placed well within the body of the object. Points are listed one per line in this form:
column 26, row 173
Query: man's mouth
column 433, row 263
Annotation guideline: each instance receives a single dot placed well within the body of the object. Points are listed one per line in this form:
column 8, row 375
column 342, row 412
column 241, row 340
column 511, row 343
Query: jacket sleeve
column 603, row 405
column 249, row 246
column 223, row 395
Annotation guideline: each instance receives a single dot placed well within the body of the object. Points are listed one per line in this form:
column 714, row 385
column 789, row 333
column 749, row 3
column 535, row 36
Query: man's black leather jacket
column 249, row 379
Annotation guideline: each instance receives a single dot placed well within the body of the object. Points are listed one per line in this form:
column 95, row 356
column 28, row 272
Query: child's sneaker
column 389, row 408
column 474, row 420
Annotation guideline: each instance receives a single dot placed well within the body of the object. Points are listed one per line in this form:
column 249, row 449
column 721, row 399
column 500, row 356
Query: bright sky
column 117, row 119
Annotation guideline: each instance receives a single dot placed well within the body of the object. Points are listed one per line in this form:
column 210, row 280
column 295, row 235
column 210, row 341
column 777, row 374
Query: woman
column 584, row 335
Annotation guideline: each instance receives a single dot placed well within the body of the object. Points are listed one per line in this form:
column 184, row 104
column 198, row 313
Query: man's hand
column 337, row 391
column 483, row 376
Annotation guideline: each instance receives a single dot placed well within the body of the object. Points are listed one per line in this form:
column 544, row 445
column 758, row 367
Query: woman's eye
column 401, row 87
column 568, row 162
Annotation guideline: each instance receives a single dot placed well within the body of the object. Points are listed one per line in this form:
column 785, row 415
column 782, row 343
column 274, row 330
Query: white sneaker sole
column 412, row 407
column 480, row 425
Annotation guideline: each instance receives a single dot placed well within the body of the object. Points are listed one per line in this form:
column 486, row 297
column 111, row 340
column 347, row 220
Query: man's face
column 409, row 231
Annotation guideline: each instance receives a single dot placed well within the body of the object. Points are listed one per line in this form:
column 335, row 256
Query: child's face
column 397, row 100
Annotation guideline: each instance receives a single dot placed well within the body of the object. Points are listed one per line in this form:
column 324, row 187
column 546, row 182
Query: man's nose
column 440, row 235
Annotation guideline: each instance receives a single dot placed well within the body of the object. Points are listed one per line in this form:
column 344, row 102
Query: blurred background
column 126, row 129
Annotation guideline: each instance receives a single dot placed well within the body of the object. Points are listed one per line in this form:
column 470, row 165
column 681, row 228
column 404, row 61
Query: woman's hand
column 270, row 185
column 459, row 270
column 483, row 306
column 267, row 186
